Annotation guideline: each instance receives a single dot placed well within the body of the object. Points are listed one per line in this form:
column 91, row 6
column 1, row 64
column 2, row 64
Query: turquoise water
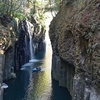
column 36, row 86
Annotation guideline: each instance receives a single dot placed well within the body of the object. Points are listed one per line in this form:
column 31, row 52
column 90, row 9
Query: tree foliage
column 9, row 6
column 25, row 8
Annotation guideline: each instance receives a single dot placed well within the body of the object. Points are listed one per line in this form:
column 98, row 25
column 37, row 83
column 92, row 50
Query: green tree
column 10, row 6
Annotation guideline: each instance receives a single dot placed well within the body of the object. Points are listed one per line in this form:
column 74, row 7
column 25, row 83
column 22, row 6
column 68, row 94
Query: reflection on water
column 42, row 81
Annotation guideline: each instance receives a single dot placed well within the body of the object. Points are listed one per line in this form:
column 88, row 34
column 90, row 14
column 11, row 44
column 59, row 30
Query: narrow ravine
column 36, row 86
column 60, row 39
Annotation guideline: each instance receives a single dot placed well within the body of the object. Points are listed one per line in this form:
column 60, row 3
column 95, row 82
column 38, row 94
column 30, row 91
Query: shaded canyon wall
column 8, row 31
column 75, row 38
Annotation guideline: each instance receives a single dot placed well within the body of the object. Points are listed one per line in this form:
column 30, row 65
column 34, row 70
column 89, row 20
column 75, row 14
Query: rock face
column 15, row 45
column 30, row 41
column 7, row 40
column 38, row 36
column 75, row 38
column 22, row 47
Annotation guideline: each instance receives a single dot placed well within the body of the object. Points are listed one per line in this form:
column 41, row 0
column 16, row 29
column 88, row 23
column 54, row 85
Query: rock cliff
column 30, row 41
column 14, row 45
column 7, row 40
column 75, row 38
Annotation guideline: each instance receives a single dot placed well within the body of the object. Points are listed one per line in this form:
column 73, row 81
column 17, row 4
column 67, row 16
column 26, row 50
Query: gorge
column 74, row 34
column 28, row 85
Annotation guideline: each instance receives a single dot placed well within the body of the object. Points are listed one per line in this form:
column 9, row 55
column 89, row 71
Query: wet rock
column 13, row 75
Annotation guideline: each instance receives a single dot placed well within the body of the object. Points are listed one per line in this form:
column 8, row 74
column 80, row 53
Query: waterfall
column 31, row 48
column 26, row 49
column 30, row 29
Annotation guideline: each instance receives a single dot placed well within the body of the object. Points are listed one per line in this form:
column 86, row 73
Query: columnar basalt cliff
column 30, row 41
column 39, row 36
column 75, row 38
column 7, row 40
column 14, row 43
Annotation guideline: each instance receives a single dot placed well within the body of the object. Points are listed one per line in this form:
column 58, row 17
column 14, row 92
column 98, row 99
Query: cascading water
column 30, row 29
column 31, row 48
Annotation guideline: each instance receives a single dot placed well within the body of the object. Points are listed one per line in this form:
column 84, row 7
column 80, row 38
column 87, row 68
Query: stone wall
column 75, row 38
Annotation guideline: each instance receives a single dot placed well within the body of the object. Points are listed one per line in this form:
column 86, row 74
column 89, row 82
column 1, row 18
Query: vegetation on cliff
column 7, row 32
